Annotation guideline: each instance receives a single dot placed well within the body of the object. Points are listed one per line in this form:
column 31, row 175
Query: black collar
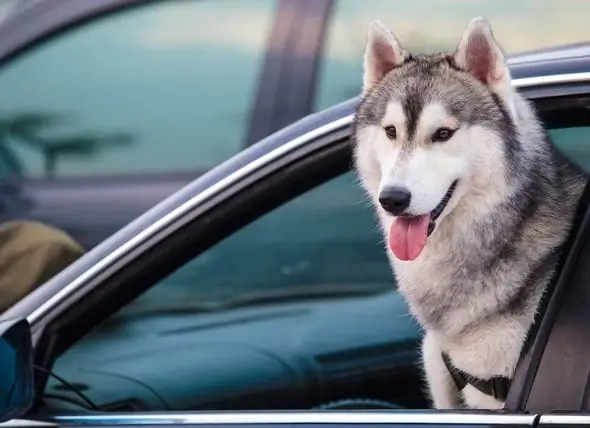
column 496, row 386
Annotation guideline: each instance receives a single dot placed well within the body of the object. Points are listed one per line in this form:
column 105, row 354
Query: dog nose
column 395, row 200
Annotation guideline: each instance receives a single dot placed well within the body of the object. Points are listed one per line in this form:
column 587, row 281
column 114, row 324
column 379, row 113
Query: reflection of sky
column 428, row 25
column 180, row 76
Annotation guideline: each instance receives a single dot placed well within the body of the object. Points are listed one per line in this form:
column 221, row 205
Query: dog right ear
column 480, row 55
column 383, row 53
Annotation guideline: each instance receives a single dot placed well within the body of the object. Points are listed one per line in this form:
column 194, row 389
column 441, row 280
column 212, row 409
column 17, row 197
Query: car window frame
column 315, row 143
column 529, row 374
column 562, row 362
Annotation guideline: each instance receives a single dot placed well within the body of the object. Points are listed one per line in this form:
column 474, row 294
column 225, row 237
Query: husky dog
column 473, row 200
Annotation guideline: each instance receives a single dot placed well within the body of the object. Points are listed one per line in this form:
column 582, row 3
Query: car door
column 271, row 293
column 110, row 106
column 259, row 294
column 287, row 351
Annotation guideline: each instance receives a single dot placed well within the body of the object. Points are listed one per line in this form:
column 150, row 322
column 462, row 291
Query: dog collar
column 496, row 386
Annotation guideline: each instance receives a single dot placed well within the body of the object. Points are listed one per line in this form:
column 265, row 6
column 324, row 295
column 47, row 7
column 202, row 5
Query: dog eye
column 390, row 132
column 442, row 134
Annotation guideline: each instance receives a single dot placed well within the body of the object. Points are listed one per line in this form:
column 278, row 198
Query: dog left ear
column 383, row 53
column 480, row 54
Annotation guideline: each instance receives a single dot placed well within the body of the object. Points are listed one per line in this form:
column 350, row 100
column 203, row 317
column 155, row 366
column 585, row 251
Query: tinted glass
column 433, row 25
column 162, row 87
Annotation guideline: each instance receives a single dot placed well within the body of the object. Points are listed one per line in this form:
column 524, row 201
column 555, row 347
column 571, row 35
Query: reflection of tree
column 29, row 129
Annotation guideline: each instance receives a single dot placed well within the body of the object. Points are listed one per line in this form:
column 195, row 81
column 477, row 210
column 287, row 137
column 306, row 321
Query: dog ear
column 480, row 54
column 383, row 53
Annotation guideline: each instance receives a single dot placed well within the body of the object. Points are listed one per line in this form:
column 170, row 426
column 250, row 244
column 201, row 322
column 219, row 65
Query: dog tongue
column 407, row 236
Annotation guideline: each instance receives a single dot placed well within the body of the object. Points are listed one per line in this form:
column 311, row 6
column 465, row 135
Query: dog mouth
column 436, row 212
column 408, row 234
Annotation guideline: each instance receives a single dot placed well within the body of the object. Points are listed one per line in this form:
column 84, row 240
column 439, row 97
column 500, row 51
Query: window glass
column 161, row 87
column 232, row 328
column 433, row 25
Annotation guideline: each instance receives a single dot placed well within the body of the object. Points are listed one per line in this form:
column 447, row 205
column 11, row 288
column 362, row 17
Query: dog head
column 432, row 129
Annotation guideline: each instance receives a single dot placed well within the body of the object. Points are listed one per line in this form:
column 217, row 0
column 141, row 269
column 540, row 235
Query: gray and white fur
column 476, row 284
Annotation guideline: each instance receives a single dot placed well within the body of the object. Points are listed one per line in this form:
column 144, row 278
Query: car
column 109, row 106
column 263, row 286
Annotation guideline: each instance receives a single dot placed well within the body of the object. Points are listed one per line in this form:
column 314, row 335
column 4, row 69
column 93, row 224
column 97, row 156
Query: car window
column 432, row 25
column 295, row 310
column 232, row 328
column 162, row 87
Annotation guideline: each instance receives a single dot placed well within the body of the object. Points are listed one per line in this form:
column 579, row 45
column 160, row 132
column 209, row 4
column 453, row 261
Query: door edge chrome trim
column 564, row 420
column 328, row 417
column 549, row 80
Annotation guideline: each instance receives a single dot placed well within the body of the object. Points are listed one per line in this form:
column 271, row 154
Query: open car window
column 296, row 310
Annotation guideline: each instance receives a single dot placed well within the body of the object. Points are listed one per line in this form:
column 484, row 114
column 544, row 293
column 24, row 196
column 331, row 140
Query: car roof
column 560, row 59
column 531, row 67
column 551, row 53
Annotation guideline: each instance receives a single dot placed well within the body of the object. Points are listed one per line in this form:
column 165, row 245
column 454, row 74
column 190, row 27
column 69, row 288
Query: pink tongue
column 407, row 236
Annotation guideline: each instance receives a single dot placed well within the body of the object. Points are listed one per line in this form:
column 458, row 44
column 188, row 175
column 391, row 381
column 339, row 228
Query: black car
column 263, row 286
column 109, row 106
